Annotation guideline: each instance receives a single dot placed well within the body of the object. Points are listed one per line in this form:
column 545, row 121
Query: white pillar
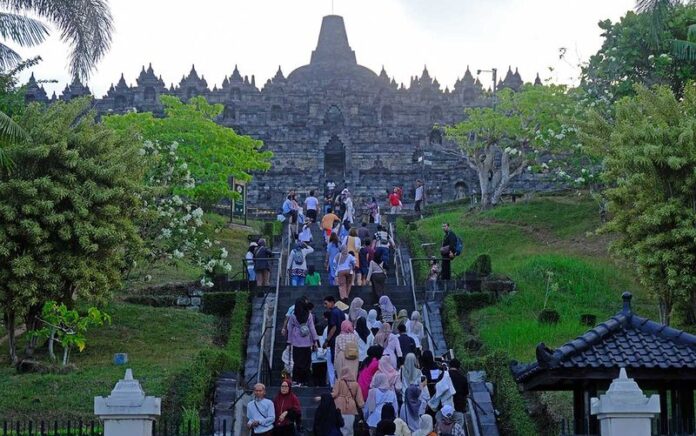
column 624, row 410
column 127, row 411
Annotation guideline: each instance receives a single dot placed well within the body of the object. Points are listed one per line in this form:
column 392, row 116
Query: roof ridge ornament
column 626, row 297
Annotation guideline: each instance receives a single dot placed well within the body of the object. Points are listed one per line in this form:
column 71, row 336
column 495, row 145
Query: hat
column 253, row 244
column 447, row 410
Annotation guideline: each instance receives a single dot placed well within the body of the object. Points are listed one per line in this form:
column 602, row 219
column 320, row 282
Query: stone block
column 183, row 301
column 195, row 301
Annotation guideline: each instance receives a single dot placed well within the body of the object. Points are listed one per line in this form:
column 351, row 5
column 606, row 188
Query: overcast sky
column 402, row 35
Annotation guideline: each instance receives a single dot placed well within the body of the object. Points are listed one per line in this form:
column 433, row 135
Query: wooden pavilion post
column 579, row 410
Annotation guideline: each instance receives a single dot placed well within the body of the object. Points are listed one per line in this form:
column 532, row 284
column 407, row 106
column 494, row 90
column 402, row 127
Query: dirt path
column 18, row 331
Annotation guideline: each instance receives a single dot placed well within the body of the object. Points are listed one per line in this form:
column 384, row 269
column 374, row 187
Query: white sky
column 402, row 35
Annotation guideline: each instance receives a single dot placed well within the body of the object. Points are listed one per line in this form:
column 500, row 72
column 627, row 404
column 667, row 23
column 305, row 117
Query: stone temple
column 331, row 119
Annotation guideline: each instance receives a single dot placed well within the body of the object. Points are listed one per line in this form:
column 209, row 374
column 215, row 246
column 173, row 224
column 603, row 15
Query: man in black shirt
column 407, row 344
column 461, row 385
column 449, row 243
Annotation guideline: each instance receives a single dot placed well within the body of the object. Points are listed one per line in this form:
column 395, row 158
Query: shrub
column 239, row 320
column 152, row 300
column 549, row 316
column 218, row 303
column 481, row 266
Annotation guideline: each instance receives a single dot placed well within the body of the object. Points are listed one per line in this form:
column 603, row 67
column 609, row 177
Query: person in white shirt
column 419, row 195
column 311, row 206
column 260, row 412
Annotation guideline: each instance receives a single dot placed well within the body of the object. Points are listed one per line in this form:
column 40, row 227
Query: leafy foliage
column 213, row 152
column 66, row 210
column 650, row 168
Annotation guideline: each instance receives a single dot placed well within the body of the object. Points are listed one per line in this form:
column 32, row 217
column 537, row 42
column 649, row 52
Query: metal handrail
column 262, row 342
column 475, row 423
column 398, row 261
column 275, row 314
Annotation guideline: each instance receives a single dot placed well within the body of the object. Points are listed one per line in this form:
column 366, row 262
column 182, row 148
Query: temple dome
column 333, row 62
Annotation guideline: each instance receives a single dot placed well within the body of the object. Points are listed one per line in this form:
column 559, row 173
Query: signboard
column 239, row 206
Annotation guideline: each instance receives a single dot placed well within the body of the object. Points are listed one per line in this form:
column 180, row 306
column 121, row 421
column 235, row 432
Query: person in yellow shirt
column 327, row 223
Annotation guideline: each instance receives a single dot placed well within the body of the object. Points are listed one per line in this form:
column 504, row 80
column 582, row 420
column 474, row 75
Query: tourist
column 372, row 322
column 431, row 370
column 413, row 406
column 401, row 318
column 356, row 310
column 433, row 276
column 390, row 343
column 380, row 394
column 446, row 423
column 347, row 351
column 377, row 275
column 370, row 366
column 348, row 206
column 344, row 231
column 419, row 196
column 260, row 413
column 302, row 336
column 313, row 278
column 288, row 411
column 425, row 426
column 415, row 329
column 395, row 201
column 335, row 319
column 393, row 377
column 444, row 395
column 249, row 260
column 352, row 242
column 449, row 244
column 363, row 231
column 365, row 337
column 461, row 386
column 311, row 206
column 345, row 264
column 306, row 233
column 297, row 263
column 364, row 257
column 406, row 343
column 383, row 242
column 327, row 419
column 348, row 398
column 388, row 310
column 332, row 252
column 262, row 264
column 373, row 208
column 327, row 222
column 329, row 193
column 410, row 373
column 386, row 425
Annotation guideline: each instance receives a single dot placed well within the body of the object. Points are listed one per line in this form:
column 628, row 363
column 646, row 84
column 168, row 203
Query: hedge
column 218, row 303
column 193, row 387
column 514, row 419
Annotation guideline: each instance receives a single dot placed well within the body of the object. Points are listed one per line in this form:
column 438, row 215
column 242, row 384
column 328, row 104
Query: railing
column 475, row 423
column 52, row 428
column 398, row 261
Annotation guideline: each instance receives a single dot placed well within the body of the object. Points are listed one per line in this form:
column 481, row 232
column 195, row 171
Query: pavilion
column 659, row 358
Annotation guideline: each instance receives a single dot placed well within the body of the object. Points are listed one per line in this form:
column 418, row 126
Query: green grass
column 525, row 240
column 160, row 344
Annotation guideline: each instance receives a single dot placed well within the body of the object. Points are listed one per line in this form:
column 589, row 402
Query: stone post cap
column 625, row 397
column 127, row 398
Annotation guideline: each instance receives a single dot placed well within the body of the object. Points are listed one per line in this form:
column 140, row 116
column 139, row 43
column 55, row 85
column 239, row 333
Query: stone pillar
column 127, row 411
column 624, row 410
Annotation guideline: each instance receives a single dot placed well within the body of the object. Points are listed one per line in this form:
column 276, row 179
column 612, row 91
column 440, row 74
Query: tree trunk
column 51, row 342
column 65, row 355
column 32, row 323
column 665, row 311
column 10, row 319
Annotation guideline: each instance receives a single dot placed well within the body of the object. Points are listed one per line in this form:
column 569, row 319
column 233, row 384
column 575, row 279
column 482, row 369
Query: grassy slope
column 526, row 240
column 159, row 342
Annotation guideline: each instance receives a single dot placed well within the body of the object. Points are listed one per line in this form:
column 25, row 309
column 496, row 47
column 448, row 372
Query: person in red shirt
column 395, row 201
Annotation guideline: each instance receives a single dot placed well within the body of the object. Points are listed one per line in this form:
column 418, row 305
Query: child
column 433, row 275
column 313, row 278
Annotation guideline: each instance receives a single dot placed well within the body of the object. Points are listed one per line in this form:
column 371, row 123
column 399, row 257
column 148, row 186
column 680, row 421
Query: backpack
column 459, row 247
column 297, row 257
column 351, row 352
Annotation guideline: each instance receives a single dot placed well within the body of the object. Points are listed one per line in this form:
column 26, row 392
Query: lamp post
column 494, row 72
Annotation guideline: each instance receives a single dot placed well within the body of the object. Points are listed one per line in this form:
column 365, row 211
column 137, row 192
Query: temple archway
column 335, row 160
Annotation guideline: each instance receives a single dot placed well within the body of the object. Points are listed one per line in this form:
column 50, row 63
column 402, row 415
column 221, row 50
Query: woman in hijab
column 425, row 426
column 302, row 335
column 332, row 250
column 413, row 407
column 378, row 396
column 401, row 318
column 387, row 308
column 431, row 370
column 385, row 367
column 369, row 367
column 410, row 373
column 347, row 338
column 327, row 419
column 386, row 425
column 365, row 337
column 348, row 398
column 372, row 322
column 356, row 310
column 389, row 342
column 414, row 328
column 446, row 423
column 287, row 410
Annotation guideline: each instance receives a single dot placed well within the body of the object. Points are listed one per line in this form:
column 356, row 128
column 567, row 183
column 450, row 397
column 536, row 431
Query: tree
column 629, row 56
column 212, row 152
column 520, row 128
column 651, row 154
column 66, row 211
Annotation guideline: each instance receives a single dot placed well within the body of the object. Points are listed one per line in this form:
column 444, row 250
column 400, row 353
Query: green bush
column 513, row 419
column 469, row 301
column 239, row 321
column 218, row 303
column 481, row 266
column 152, row 300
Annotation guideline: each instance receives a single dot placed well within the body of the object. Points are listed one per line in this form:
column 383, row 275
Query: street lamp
column 494, row 71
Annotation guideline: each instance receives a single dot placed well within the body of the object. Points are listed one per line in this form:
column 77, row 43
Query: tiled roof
column 624, row 340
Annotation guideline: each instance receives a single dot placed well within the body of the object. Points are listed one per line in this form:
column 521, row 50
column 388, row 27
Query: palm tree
column 86, row 25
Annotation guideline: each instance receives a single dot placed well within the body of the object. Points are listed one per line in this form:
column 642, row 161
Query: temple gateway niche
column 325, row 114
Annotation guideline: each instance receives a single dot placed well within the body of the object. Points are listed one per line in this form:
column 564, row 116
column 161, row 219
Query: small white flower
column 148, row 278
column 141, row 152
column 177, row 200
column 197, row 213
column 529, row 168
column 184, row 166
column 223, row 253
column 545, row 166
column 178, row 254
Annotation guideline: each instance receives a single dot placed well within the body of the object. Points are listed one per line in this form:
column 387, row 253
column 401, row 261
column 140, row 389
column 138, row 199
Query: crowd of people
column 383, row 379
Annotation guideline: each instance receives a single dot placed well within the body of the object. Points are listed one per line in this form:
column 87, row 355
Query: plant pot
column 588, row 319
column 549, row 316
